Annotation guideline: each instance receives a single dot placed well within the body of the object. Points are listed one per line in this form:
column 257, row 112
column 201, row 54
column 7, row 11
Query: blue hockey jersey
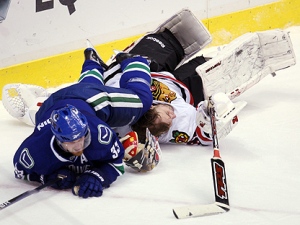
column 104, row 107
column 39, row 154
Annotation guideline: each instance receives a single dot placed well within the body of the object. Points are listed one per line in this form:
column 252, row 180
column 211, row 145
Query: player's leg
column 93, row 66
column 173, row 42
column 245, row 61
column 162, row 48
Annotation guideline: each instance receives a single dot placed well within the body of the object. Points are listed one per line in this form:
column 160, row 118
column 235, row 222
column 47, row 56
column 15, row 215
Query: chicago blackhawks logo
column 161, row 92
column 179, row 137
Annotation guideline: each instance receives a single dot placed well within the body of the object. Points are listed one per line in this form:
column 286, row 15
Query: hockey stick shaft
column 30, row 192
column 221, row 204
column 218, row 166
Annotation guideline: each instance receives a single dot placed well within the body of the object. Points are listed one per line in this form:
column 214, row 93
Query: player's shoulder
column 35, row 154
column 100, row 131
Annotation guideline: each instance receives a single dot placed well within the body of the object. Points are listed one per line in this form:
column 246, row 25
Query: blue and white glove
column 66, row 183
column 88, row 185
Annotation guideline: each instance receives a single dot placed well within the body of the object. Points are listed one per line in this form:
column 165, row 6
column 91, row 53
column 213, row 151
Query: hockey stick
column 221, row 204
column 30, row 192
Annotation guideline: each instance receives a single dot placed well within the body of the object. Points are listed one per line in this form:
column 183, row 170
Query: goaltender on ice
column 183, row 83
column 180, row 83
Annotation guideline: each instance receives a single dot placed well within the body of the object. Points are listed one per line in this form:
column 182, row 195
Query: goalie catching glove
column 226, row 116
column 142, row 157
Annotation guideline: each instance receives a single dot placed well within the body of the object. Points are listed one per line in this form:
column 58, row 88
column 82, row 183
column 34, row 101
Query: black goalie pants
column 166, row 53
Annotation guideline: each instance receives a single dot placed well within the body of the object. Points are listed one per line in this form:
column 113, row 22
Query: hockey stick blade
column 199, row 210
column 30, row 192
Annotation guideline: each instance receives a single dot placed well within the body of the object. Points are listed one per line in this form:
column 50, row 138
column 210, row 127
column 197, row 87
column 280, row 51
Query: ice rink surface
column 262, row 156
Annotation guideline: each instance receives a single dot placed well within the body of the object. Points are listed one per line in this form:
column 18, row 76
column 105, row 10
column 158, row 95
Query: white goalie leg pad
column 12, row 100
column 188, row 30
column 245, row 61
column 17, row 97
column 29, row 117
column 226, row 114
column 22, row 101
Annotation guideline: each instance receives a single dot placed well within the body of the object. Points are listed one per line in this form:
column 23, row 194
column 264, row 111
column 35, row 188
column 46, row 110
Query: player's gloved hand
column 131, row 144
column 88, row 185
column 141, row 157
column 226, row 116
column 223, row 107
column 67, row 182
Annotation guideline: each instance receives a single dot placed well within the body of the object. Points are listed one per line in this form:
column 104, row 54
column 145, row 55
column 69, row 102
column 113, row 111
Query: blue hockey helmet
column 68, row 124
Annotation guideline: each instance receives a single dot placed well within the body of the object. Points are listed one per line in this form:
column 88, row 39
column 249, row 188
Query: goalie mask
column 142, row 157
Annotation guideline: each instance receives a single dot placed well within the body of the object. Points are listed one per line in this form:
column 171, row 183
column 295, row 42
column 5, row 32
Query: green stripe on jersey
column 93, row 73
column 137, row 66
column 118, row 167
column 125, row 100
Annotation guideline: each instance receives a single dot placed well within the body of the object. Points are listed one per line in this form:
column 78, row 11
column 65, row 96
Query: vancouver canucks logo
column 179, row 137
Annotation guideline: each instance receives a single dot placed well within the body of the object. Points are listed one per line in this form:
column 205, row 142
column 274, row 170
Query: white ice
column 261, row 156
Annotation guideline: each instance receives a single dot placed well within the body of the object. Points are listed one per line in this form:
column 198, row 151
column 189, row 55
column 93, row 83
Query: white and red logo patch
column 220, row 180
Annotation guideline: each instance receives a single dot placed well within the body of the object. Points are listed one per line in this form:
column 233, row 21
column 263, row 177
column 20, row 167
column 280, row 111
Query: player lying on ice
column 73, row 135
column 184, row 88
column 181, row 84
column 185, row 83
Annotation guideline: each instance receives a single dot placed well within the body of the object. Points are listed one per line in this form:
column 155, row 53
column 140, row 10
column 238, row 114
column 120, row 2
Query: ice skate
column 90, row 53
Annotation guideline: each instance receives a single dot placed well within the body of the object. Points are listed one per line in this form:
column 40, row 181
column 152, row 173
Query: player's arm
column 32, row 164
column 27, row 160
column 226, row 115
column 141, row 155
column 136, row 77
column 107, row 163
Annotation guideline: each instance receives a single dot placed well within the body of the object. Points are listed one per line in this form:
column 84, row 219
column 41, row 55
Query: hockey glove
column 130, row 143
column 141, row 157
column 88, row 185
column 226, row 115
column 67, row 182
